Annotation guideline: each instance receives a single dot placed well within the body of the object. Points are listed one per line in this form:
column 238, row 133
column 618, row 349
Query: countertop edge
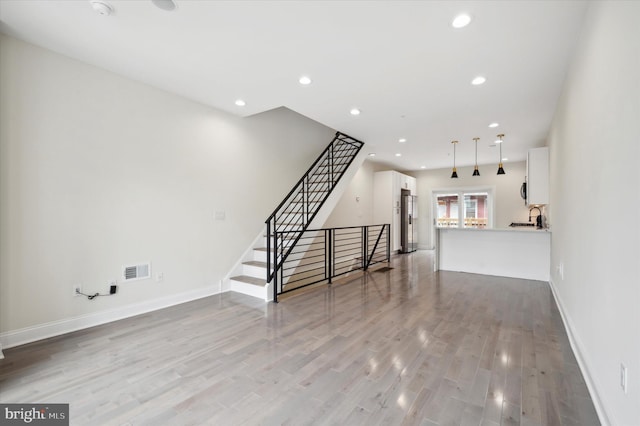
column 515, row 229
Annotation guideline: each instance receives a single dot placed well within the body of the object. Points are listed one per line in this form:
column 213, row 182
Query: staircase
column 292, row 216
column 253, row 272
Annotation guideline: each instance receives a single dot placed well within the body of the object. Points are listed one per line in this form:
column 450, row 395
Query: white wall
column 352, row 212
column 509, row 206
column 98, row 171
column 595, row 205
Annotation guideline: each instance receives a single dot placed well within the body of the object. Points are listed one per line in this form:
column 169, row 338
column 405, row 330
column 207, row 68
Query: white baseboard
column 55, row 328
column 577, row 348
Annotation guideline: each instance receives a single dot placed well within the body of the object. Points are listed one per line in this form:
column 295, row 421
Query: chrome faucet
column 538, row 219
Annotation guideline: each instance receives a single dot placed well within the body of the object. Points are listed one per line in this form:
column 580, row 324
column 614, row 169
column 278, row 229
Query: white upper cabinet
column 538, row 176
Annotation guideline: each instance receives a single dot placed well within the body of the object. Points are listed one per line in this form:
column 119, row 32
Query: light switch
column 220, row 215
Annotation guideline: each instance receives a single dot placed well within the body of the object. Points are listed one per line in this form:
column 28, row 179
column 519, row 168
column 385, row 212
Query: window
column 470, row 208
column 475, row 210
column 476, row 213
column 447, row 210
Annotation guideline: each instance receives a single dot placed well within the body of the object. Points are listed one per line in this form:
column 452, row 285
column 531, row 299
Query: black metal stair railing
column 294, row 214
column 321, row 255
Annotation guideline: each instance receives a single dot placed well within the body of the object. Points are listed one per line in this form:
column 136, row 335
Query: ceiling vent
column 137, row 272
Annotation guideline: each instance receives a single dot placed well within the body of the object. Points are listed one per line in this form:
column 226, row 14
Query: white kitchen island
column 513, row 252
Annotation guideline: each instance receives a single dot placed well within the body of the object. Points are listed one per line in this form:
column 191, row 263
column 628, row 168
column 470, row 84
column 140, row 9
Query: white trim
column 250, row 289
column 236, row 269
column 55, row 328
column 576, row 346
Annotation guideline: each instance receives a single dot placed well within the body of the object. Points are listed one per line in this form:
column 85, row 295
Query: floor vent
column 137, row 272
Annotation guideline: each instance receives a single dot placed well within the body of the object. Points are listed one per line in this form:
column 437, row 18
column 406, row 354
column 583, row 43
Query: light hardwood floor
column 407, row 346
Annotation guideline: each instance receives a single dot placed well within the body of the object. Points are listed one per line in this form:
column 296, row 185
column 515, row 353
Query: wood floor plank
column 407, row 346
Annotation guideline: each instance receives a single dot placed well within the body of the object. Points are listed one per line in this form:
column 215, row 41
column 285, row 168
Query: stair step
column 262, row 249
column 250, row 280
column 256, row 263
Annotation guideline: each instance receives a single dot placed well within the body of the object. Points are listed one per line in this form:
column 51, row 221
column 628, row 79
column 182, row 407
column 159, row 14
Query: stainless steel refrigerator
column 408, row 222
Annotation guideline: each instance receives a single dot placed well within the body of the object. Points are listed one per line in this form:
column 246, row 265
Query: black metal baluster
column 307, row 212
column 275, row 274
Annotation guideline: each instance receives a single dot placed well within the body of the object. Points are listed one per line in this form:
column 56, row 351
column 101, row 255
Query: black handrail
column 338, row 136
column 311, row 191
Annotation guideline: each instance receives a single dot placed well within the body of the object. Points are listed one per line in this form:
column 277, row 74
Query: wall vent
column 137, row 272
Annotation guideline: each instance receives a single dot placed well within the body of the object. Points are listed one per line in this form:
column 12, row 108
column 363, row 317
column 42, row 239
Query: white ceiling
column 400, row 62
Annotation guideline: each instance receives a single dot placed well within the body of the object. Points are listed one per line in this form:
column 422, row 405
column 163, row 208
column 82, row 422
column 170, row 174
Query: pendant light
column 454, row 175
column 475, row 170
column 500, row 168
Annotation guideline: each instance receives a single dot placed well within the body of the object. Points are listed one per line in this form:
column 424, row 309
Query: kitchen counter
column 512, row 229
column 518, row 252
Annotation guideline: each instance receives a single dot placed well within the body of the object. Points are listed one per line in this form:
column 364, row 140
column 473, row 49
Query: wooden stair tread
column 255, row 263
column 250, row 280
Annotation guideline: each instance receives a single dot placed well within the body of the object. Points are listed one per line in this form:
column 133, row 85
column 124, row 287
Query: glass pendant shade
column 476, row 172
column 454, row 175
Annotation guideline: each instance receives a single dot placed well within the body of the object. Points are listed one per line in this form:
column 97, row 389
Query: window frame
column 461, row 191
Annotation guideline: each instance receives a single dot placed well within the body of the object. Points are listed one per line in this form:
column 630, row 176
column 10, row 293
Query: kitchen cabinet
column 387, row 188
column 538, row 176
column 517, row 253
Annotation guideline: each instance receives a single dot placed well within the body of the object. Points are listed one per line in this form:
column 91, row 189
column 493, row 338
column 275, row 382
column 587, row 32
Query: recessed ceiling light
column 398, row 155
column 478, row 80
column 304, row 80
column 498, row 141
column 402, row 140
column 493, row 125
column 423, row 167
column 461, row 21
column 102, row 8
column 240, row 102
column 372, row 154
column 355, row 111
column 167, row 5
column 505, row 159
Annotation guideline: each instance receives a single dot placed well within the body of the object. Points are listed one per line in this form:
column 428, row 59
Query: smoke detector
column 101, row 7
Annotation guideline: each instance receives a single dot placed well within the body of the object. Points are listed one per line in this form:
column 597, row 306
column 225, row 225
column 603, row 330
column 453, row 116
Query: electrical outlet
column 160, row 276
column 623, row 378
column 77, row 289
